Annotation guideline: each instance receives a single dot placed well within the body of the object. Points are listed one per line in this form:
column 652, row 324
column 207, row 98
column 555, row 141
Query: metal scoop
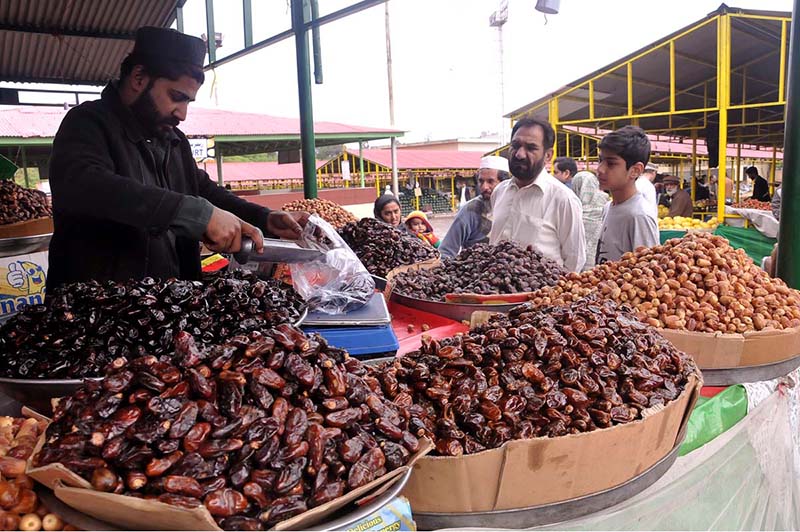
column 275, row 251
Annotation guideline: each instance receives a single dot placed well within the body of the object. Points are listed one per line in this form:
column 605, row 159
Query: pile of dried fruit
column 545, row 371
column 21, row 507
column 505, row 268
column 331, row 212
column 20, row 204
column 754, row 204
column 697, row 283
column 83, row 326
column 382, row 248
column 258, row 429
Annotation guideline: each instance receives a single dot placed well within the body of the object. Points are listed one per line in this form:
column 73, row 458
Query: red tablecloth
column 403, row 316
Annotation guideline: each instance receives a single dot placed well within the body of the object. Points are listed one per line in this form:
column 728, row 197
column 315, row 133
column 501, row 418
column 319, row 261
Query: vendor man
column 473, row 221
column 128, row 198
column 535, row 208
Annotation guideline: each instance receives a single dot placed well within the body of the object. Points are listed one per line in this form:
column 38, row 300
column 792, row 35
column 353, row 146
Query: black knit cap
column 169, row 44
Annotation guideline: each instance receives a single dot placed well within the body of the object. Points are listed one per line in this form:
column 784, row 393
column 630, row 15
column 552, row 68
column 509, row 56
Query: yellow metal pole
column 772, row 170
column 744, row 94
column 694, row 163
column 782, row 72
column 566, row 140
column 591, row 99
column 553, row 117
column 630, row 88
column 723, row 100
column 672, row 76
column 736, row 181
column 453, row 193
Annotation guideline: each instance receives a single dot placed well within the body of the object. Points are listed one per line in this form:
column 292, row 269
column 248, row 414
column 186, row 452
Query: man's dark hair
column 156, row 67
column 752, row 171
column 567, row 163
column 630, row 143
column 549, row 136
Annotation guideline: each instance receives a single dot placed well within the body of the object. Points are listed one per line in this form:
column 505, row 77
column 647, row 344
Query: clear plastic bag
column 337, row 284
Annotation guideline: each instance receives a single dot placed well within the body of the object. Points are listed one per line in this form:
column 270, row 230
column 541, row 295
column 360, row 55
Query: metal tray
column 454, row 311
column 380, row 282
column 763, row 372
column 36, row 393
column 348, row 516
column 549, row 514
column 10, row 247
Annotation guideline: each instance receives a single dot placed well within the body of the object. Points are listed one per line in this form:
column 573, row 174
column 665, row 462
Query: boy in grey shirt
column 626, row 224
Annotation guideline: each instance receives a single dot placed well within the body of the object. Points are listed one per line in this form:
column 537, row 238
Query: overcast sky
column 445, row 57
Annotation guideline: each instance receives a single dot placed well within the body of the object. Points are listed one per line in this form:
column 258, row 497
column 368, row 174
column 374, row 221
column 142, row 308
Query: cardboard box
column 132, row 513
column 39, row 226
column 720, row 351
column 525, row 473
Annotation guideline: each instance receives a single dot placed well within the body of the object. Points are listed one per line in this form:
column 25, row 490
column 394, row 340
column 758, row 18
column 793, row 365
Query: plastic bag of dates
column 697, row 283
column 538, row 372
column 81, row 327
column 382, row 248
column 331, row 212
column 506, row 268
column 251, row 433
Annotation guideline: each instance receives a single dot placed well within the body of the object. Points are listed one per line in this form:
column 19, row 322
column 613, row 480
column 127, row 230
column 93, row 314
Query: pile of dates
column 22, row 509
column 382, row 248
column 82, row 327
column 696, row 283
column 505, row 268
column 20, row 204
column 259, row 429
column 331, row 212
column 538, row 372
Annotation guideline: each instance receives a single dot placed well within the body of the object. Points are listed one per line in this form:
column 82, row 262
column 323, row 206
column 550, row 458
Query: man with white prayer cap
column 473, row 221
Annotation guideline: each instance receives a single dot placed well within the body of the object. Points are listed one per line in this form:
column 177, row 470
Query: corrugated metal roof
column 424, row 159
column 257, row 171
column 75, row 41
column 43, row 122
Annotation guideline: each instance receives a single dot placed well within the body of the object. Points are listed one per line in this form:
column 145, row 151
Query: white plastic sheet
column 764, row 221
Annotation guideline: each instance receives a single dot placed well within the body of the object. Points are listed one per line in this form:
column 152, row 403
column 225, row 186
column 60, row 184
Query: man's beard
column 522, row 169
column 145, row 110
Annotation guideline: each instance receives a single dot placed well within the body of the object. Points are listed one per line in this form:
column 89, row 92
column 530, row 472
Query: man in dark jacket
column 760, row 185
column 128, row 198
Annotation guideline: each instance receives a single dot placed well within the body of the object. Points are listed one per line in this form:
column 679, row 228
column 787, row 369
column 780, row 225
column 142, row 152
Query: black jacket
column 113, row 208
column 761, row 189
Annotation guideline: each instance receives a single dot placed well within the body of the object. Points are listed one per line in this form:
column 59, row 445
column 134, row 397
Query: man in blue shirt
column 473, row 221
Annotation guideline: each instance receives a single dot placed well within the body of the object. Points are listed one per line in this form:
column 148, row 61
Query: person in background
column 535, row 208
column 645, row 187
column 473, row 221
column 417, row 224
column 701, row 191
column 760, row 185
column 627, row 223
column 680, row 202
column 593, row 202
column 564, row 169
column 387, row 210
column 776, row 203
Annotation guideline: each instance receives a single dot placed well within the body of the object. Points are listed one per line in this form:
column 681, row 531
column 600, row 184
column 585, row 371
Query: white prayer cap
column 493, row 162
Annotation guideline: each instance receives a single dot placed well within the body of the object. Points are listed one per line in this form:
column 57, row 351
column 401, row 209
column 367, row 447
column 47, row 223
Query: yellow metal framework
column 722, row 78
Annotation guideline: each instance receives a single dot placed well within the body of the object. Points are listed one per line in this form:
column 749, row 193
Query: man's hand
column 224, row 233
column 288, row 225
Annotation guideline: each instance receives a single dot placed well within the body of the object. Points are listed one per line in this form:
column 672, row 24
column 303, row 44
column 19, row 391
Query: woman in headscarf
column 593, row 201
column 387, row 210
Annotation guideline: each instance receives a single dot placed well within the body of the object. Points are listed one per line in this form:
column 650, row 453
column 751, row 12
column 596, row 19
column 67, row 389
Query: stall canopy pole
column 218, row 157
column 211, row 34
column 306, row 109
column 25, row 168
column 361, row 162
column 789, row 234
column 395, row 183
